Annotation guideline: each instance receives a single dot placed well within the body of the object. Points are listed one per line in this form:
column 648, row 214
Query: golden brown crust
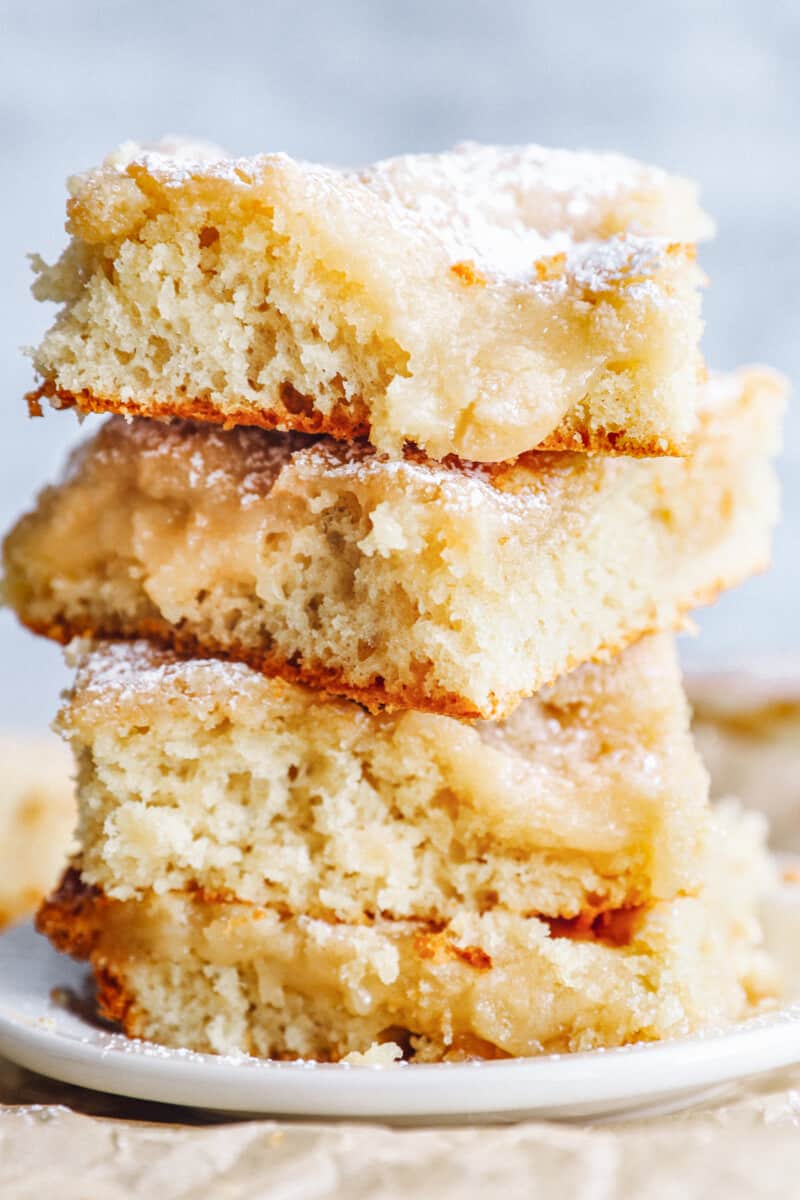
column 436, row 946
column 291, row 410
column 114, row 1002
column 71, row 917
column 374, row 696
column 295, row 412
column 614, row 442
column 468, row 273
column 612, row 927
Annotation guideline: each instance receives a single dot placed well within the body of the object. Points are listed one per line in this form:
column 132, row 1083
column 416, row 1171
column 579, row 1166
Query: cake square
column 480, row 303
column 208, row 777
column 449, row 587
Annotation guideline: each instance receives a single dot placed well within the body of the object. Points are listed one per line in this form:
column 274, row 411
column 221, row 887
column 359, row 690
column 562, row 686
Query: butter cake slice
column 480, row 303
column 207, row 776
column 407, row 583
column 231, row 977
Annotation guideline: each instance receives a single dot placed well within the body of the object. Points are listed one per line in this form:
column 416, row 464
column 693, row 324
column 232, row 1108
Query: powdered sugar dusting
column 175, row 160
column 503, row 210
column 243, row 465
column 120, row 672
column 506, row 179
column 458, row 485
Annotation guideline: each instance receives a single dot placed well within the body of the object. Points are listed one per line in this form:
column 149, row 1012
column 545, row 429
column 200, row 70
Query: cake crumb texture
column 205, row 775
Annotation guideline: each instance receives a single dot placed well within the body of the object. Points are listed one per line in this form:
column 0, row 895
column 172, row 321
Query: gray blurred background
column 708, row 88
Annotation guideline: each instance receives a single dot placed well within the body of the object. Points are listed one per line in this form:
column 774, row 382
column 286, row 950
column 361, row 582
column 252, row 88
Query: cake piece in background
column 481, row 303
column 37, row 818
column 224, row 976
column 207, row 776
column 747, row 726
column 453, row 588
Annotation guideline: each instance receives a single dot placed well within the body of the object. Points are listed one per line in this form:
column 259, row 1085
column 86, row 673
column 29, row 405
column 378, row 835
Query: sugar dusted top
column 120, row 674
column 506, row 208
column 525, row 215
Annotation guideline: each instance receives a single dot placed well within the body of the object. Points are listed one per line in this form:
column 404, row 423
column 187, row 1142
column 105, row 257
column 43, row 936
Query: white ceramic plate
column 40, row 1033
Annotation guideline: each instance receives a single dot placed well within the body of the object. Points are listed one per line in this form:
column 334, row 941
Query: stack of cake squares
column 370, row 581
